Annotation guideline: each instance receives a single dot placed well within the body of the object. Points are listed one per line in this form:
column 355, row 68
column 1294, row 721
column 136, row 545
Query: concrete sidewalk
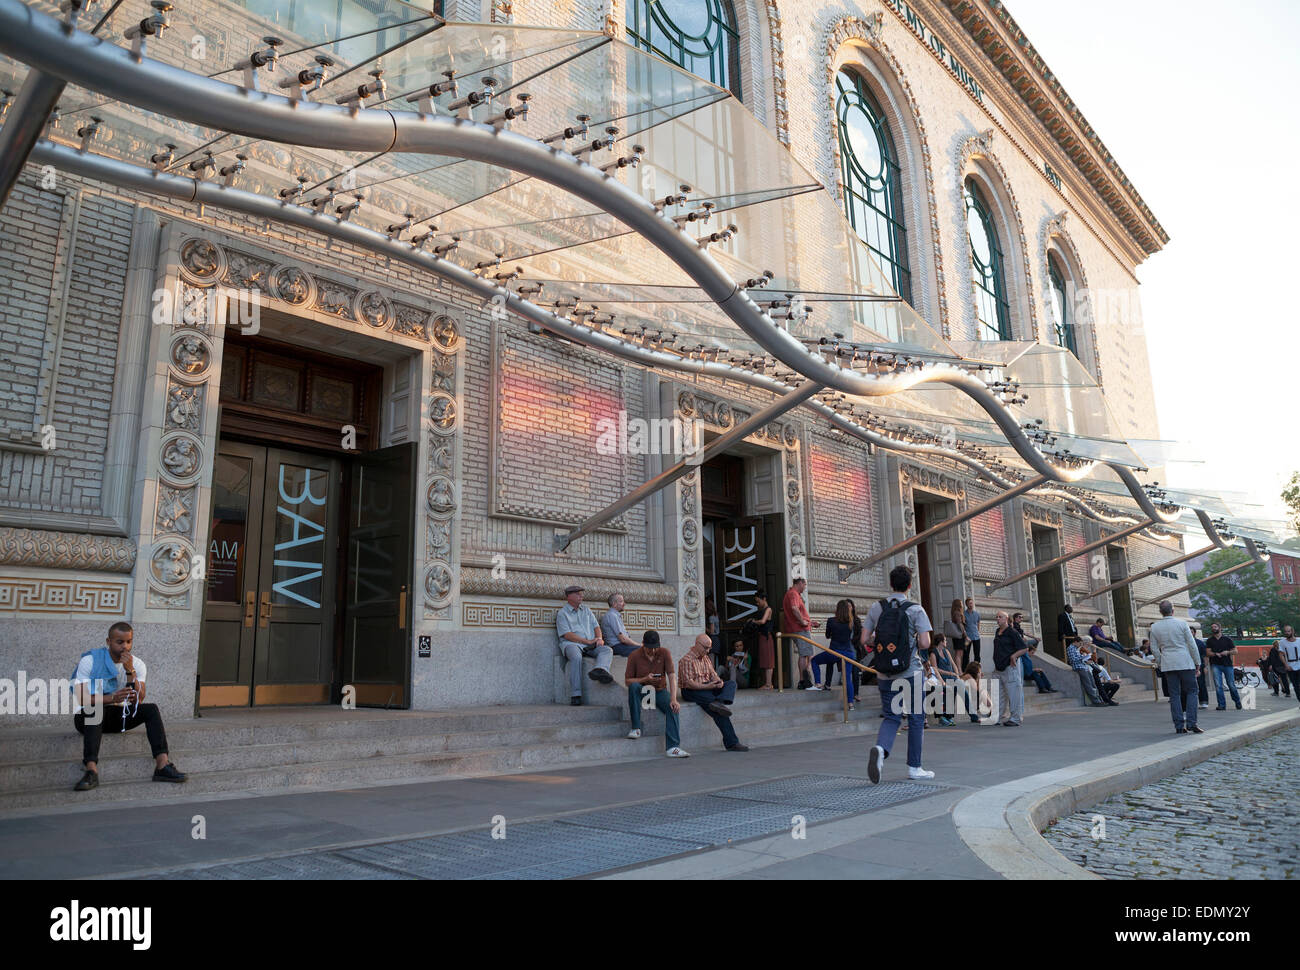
column 916, row 839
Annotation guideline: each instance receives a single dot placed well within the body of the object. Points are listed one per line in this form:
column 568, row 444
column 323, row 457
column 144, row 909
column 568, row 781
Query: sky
column 1197, row 101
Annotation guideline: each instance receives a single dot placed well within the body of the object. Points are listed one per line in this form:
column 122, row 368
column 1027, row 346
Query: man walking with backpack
column 899, row 631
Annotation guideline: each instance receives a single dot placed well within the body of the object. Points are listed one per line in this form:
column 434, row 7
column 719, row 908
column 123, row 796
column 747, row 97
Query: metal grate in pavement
column 704, row 820
column 593, row 842
column 536, row 850
column 839, row 794
column 318, row 865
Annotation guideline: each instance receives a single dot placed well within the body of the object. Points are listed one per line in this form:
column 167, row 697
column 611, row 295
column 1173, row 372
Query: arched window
column 1062, row 318
column 699, row 35
column 872, row 179
column 992, row 312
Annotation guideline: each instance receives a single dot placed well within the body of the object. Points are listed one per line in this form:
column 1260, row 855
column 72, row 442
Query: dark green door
column 377, row 610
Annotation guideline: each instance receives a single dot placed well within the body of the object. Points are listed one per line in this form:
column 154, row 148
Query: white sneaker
column 633, row 734
column 816, row 687
column 919, row 774
column 678, row 753
column 1205, row 707
column 875, row 758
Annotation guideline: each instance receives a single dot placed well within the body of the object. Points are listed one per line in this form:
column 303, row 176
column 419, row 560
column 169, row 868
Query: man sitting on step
column 702, row 685
column 650, row 667
column 580, row 637
column 109, row 687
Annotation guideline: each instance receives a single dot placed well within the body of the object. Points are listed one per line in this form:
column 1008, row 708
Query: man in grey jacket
column 1175, row 648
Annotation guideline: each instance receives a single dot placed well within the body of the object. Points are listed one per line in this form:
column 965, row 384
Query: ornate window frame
column 717, row 48
column 857, row 43
column 976, row 161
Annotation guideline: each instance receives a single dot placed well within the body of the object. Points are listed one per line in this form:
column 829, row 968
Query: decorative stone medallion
column 442, row 413
column 441, row 497
column 439, row 582
column 292, row 285
column 202, row 261
column 170, row 565
column 190, row 355
column 374, row 310
column 181, row 458
column 446, row 334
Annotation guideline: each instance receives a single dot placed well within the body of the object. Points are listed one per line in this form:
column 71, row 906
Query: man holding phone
column 651, row 666
column 110, row 681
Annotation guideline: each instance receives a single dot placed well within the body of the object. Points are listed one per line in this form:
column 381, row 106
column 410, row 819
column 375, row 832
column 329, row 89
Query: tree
column 1291, row 496
column 1245, row 600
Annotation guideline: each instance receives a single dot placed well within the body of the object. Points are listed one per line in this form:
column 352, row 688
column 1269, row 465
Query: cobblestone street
column 1235, row 816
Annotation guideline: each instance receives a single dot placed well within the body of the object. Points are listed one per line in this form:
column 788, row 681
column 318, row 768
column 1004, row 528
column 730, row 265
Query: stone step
column 420, row 766
column 290, row 725
column 61, row 771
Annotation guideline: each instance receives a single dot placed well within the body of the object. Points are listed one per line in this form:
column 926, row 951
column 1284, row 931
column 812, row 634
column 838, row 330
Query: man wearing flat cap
column 580, row 637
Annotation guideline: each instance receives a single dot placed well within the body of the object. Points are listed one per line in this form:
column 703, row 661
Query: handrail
column 1142, row 664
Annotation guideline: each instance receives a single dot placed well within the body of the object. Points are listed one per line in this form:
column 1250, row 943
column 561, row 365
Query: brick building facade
column 503, row 421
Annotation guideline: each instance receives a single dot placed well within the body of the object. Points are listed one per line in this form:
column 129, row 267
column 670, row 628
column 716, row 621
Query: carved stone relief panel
column 442, row 494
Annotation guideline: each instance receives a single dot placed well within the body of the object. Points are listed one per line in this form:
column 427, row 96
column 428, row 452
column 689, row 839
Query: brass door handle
column 401, row 609
column 264, row 619
column 250, row 607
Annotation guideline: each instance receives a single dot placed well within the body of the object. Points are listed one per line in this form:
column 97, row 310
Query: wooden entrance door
column 268, row 631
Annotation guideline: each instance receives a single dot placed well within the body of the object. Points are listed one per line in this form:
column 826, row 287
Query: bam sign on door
column 740, row 580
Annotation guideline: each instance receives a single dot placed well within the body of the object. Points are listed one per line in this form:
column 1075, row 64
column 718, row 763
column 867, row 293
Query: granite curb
column 1001, row 825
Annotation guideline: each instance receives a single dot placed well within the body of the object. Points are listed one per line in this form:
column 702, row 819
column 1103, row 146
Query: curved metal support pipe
column 1139, row 494
column 43, row 43
column 23, row 125
column 1087, row 509
column 129, row 176
column 184, row 189
column 1256, row 559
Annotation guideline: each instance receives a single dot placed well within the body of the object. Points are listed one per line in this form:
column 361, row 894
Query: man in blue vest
column 110, row 682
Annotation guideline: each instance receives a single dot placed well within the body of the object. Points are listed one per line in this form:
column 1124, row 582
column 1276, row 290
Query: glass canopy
column 672, row 138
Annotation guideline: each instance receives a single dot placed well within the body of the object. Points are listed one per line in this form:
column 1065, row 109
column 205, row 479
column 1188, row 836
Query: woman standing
column 954, row 628
column 766, row 651
column 859, row 645
column 839, row 630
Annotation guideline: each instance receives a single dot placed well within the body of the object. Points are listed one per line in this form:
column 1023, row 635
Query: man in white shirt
column 110, row 681
column 1179, row 659
column 1289, row 647
column 613, row 630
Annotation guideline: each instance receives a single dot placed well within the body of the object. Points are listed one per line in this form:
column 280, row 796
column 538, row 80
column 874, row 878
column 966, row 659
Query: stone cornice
column 1030, row 77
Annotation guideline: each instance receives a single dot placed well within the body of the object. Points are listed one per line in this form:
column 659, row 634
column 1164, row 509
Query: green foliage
column 1291, row 496
column 1246, row 601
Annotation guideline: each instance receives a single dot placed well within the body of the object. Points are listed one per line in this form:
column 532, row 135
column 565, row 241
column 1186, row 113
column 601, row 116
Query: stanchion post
column 780, row 662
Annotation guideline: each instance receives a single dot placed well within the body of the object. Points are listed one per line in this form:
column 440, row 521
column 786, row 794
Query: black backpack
column 893, row 638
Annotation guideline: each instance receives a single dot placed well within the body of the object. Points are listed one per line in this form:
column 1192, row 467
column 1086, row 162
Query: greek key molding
column 869, row 32
column 83, row 597
column 507, row 616
column 66, row 550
